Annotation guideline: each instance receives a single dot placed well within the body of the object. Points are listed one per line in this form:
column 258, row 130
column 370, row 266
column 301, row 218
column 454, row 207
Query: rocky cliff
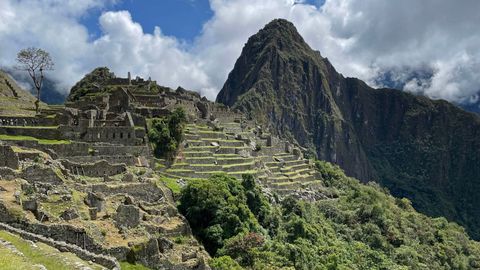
column 418, row 148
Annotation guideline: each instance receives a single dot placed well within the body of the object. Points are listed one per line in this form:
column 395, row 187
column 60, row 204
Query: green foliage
column 89, row 83
column 364, row 228
column 166, row 133
column 224, row 263
column 217, row 210
column 129, row 266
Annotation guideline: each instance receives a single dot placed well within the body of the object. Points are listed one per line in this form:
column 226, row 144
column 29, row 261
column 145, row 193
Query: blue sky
column 180, row 18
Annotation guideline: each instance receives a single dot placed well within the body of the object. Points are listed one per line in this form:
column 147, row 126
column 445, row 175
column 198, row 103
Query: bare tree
column 35, row 61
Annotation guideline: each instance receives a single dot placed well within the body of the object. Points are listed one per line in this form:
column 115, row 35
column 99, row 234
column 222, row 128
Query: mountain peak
column 270, row 50
column 280, row 24
column 281, row 33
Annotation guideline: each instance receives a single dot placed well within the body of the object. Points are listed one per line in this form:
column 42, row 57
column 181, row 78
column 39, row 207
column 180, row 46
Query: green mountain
column 422, row 149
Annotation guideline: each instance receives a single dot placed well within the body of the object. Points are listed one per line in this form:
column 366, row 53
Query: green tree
column 217, row 210
column 166, row 133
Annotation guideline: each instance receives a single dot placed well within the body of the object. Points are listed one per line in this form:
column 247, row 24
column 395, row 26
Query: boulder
column 128, row 177
column 30, row 205
column 69, row 214
column 164, row 244
column 128, row 216
column 7, row 173
column 8, row 158
column 188, row 256
column 95, row 200
column 93, row 213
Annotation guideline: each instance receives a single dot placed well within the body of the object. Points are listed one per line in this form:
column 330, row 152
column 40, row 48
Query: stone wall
column 97, row 169
column 121, row 135
column 147, row 192
column 26, row 121
column 128, row 160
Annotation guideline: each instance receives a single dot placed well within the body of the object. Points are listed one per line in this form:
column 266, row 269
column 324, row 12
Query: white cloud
column 362, row 38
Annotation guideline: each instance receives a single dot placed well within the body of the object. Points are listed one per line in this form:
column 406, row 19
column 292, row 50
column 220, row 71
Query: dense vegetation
column 166, row 133
column 357, row 226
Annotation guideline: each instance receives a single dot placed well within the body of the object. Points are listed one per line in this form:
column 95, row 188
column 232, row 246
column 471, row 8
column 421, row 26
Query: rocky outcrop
column 8, row 158
column 418, row 148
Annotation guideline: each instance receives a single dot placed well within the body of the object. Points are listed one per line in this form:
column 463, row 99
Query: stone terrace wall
column 125, row 159
column 85, row 149
column 27, row 121
column 97, row 169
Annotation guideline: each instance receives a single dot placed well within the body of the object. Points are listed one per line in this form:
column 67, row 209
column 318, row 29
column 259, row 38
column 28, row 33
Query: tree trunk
column 37, row 102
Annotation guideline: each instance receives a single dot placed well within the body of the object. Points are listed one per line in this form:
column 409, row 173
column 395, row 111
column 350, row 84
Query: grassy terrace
column 34, row 255
column 239, row 164
column 32, row 127
column 28, row 138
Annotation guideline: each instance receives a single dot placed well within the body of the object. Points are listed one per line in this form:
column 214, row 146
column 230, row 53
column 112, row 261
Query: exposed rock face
column 418, row 148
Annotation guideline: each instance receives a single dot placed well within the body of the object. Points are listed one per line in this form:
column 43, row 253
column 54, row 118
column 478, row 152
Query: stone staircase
column 226, row 148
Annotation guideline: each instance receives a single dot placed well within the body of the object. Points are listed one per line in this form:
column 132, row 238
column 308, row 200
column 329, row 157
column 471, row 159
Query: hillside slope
column 13, row 99
column 419, row 148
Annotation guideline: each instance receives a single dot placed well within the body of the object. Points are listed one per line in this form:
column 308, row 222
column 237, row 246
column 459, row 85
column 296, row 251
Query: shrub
column 166, row 133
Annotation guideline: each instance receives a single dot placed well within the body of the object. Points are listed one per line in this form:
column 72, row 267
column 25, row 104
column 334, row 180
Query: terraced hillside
column 235, row 150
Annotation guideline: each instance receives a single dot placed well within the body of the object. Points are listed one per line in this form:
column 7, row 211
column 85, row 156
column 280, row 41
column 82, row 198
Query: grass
column 171, row 184
column 4, row 137
column 244, row 172
column 12, row 261
column 43, row 254
column 179, row 171
column 236, row 165
column 32, row 127
column 129, row 266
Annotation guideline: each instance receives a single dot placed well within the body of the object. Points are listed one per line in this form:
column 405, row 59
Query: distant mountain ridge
column 426, row 150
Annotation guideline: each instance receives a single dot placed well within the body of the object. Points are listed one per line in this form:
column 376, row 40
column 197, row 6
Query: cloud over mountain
column 362, row 38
